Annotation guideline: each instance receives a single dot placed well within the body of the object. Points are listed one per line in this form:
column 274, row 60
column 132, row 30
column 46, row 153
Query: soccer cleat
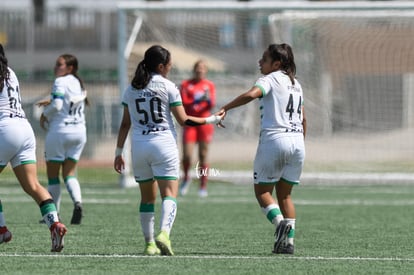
column 151, row 249
column 202, row 193
column 287, row 249
column 184, row 187
column 5, row 235
column 164, row 244
column 77, row 214
column 57, row 232
column 281, row 233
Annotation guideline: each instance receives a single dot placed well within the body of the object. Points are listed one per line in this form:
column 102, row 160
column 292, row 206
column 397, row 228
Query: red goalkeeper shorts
column 202, row 133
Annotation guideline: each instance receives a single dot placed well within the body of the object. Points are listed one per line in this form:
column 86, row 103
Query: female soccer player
column 199, row 97
column 281, row 151
column 64, row 119
column 18, row 146
column 148, row 103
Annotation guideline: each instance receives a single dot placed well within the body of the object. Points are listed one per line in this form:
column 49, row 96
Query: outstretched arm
column 184, row 119
column 242, row 99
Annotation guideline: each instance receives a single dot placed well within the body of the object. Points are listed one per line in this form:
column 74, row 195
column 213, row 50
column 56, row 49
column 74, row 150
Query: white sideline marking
column 325, row 178
column 212, row 200
column 305, row 258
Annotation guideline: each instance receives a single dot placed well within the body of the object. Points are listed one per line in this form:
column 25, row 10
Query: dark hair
column 284, row 54
column 153, row 56
column 71, row 60
column 4, row 68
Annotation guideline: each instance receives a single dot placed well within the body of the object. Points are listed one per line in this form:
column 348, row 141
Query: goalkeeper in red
column 199, row 97
column 281, row 151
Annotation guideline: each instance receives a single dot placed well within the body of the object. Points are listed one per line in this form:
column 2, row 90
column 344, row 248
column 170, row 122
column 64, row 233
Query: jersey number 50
column 155, row 110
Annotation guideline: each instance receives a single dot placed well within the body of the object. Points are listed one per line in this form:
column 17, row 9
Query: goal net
column 356, row 66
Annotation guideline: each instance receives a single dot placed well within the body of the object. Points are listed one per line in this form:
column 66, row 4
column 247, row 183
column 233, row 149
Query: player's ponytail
column 284, row 54
column 4, row 69
column 154, row 56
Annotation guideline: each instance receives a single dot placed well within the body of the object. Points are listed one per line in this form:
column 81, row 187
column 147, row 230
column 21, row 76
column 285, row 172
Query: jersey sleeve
column 56, row 98
column 174, row 96
column 125, row 97
column 58, row 89
column 263, row 84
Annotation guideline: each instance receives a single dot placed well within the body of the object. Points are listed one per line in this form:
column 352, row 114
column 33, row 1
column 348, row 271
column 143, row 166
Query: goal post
column 354, row 60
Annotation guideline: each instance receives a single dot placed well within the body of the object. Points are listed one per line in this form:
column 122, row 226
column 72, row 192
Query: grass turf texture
column 346, row 229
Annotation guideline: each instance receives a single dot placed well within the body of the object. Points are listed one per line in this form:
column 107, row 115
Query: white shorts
column 155, row 159
column 280, row 158
column 18, row 143
column 60, row 146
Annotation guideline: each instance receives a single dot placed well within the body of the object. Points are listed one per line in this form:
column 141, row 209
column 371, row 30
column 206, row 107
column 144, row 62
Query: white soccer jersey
column 281, row 104
column 10, row 100
column 149, row 108
column 68, row 90
column 18, row 144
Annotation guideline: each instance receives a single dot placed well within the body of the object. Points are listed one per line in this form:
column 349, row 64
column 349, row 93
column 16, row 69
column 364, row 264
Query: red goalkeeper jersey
column 198, row 97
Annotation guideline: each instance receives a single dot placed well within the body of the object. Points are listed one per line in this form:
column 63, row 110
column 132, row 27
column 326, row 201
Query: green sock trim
column 47, row 208
column 147, row 207
column 69, row 177
column 170, row 198
column 1, row 207
column 53, row 181
column 291, row 233
column 273, row 213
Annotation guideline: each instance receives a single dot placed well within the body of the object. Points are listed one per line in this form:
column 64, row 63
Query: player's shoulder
column 208, row 81
column 12, row 80
column 66, row 79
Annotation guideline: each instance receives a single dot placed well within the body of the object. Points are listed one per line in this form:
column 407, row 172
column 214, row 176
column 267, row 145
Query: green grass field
column 343, row 229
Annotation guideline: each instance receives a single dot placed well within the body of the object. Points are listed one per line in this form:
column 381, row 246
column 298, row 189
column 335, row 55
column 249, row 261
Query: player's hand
column 43, row 103
column 44, row 123
column 119, row 164
column 222, row 114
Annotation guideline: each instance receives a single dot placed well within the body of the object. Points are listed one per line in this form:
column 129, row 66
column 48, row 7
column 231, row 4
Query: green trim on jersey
column 2, row 166
column 145, row 181
column 58, row 94
column 55, row 161
column 147, row 208
column 174, row 104
column 290, row 182
column 166, row 178
column 28, row 162
column 124, row 104
column 74, row 160
column 261, row 89
column 47, row 208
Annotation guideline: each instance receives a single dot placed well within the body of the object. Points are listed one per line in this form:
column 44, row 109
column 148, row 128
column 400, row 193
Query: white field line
column 232, row 200
column 207, row 257
column 334, row 178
